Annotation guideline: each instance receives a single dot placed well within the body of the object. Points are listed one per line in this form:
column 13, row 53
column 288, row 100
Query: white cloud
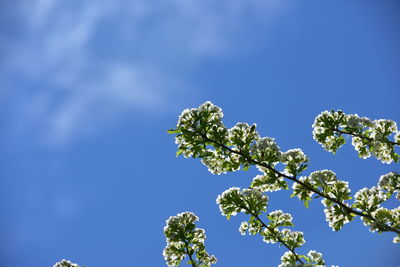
column 121, row 88
column 87, row 55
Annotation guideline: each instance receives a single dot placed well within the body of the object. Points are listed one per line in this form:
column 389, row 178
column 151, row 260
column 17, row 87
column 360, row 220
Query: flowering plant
column 200, row 133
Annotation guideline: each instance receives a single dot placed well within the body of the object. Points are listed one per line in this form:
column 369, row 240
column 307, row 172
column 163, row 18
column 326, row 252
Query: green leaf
column 173, row 131
column 302, row 167
column 304, row 257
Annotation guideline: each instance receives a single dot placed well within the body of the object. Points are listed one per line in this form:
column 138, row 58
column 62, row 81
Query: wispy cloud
column 70, row 59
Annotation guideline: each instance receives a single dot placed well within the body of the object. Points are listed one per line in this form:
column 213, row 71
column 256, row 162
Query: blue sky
column 89, row 88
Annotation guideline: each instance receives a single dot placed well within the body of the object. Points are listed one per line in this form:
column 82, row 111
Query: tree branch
column 364, row 137
column 294, row 179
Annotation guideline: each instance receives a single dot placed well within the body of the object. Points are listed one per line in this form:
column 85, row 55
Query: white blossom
column 268, row 183
column 397, row 137
column 361, row 146
column 369, row 199
column 293, row 238
column 243, row 134
column 288, row 259
column 236, row 200
column 279, row 218
column 335, row 217
column 65, row 263
column 316, row 258
column 293, row 156
column 244, row 226
column 323, row 129
column 265, row 149
column 390, row 182
column 182, row 234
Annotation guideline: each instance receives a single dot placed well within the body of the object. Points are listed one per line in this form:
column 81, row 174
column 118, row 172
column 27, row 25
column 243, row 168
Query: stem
column 279, row 238
column 190, row 255
column 364, row 137
column 308, row 187
column 272, row 231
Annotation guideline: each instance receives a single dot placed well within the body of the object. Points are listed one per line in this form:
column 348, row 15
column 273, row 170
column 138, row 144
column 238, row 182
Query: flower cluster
column 265, row 150
column 200, row 133
column 244, row 227
column 313, row 258
column 253, row 226
column 218, row 162
column 273, row 234
column 395, row 222
column 268, row 181
column 324, row 129
column 65, row 263
column 390, row 182
column 295, row 161
column 242, row 135
column 197, row 124
column 183, row 238
column 279, row 218
column 383, row 218
column 368, row 137
column 294, row 239
column 337, row 216
column 369, row 199
column 334, row 190
column 324, row 181
column 397, row 137
column 249, row 201
column 254, row 202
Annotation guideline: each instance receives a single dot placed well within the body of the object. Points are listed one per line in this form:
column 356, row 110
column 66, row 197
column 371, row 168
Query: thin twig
column 279, row 239
column 190, row 255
